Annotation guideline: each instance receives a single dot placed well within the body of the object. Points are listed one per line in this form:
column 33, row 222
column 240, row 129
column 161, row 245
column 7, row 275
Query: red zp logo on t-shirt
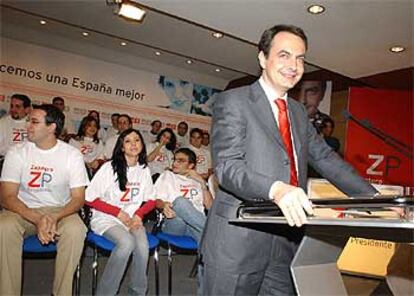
column 40, row 176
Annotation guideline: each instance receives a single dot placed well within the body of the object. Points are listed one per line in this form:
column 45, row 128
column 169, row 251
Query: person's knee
column 181, row 202
column 73, row 228
column 8, row 225
column 125, row 246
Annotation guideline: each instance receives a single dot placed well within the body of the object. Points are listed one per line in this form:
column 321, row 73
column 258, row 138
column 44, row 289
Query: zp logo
column 129, row 194
column 39, row 179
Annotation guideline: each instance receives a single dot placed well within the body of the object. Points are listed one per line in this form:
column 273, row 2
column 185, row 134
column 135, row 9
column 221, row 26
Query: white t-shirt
column 162, row 161
column 110, row 132
column 11, row 132
column 89, row 149
column 69, row 127
column 45, row 176
column 104, row 186
column 109, row 146
column 182, row 141
column 169, row 186
column 148, row 137
column 203, row 159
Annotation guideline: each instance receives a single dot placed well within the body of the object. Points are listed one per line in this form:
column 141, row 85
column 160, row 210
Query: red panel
column 391, row 112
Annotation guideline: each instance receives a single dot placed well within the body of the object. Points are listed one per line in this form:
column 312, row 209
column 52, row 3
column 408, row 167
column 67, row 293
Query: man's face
column 59, row 104
column 17, row 110
column 284, row 66
column 114, row 121
column 206, row 139
column 156, row 127
column 123, row 124
column 181, row 165
column 311, row 94
column 327, row 130
column 196, row 139
column 182, row 129
column 37, row 130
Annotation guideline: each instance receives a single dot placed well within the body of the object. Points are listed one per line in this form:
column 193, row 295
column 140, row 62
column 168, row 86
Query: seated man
column 186, row 196
column 42, row 189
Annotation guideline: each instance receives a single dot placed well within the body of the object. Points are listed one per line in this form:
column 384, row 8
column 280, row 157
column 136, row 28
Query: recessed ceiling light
column 217, row 35
column 85, row 34
column 42, row 22
column 397, row 49
column 157, row 53
column 123, row 43
column 316, row 9
column 217, row 70
column 189, row 62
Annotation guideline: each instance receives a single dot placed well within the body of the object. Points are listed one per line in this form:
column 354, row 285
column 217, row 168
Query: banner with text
column 88, row 84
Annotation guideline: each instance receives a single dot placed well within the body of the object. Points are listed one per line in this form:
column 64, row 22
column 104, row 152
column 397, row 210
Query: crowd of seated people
column 51, row 171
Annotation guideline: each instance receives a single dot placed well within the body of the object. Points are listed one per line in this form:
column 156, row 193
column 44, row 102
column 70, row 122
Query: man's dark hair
column 55, row 99
column 183, row 122
column 53, row 115
column 196, row 130
column 155, row 121
column 265, row 42
column 327, row 119
column 25, row 99
column 114, row 114
column 127, row 117
column 192, row 157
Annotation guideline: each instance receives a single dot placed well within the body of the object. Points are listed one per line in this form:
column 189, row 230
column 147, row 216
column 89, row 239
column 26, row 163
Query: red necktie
column 284, row 127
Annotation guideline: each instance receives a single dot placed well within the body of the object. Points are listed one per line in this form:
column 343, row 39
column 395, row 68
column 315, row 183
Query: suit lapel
column 264, row 114
column 294, row 125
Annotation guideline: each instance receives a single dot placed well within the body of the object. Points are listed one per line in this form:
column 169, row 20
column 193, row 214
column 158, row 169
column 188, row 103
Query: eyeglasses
column 180, row 160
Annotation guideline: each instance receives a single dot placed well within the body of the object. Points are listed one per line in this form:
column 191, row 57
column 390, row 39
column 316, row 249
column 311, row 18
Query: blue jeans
column 126, row 242
column 188, row 221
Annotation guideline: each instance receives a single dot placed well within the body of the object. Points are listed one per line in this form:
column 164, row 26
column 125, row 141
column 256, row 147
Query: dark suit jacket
column 249, row 156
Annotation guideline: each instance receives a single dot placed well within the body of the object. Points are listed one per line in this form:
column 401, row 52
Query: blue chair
column 31, row 244
column 99, row 241
column 178, row 241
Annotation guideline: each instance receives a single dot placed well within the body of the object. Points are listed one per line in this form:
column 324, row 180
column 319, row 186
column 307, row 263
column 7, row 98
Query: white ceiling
column 351, row 38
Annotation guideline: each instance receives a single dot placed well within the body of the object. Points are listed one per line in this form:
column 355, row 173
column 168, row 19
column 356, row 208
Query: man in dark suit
column 262, row 142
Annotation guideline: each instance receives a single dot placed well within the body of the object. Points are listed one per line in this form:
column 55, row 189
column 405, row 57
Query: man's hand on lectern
column 293, row 202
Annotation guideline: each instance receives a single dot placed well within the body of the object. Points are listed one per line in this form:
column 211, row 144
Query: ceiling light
column 397, row 49
column 123, row 43
column 217, row 35
column 217, row 70
column 157, row 53
column 42, row 22
column 189, row 62
column 128, row 9
column 316, row 9
column 85, row 34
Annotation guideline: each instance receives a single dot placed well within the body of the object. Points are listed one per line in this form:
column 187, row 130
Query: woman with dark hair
column 116, row 194
column 161, row 153
column 88, row 144
column 101, row 131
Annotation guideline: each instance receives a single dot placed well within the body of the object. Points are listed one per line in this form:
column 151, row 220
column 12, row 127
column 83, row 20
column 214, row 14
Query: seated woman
column 185, row 196
column 160, row 153
column 89, row 145
column 115, row 194
column 101, row 131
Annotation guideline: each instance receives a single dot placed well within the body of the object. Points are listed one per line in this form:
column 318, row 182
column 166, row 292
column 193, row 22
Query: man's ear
column 52, row 127
column 191, row 166
column 262, row 59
